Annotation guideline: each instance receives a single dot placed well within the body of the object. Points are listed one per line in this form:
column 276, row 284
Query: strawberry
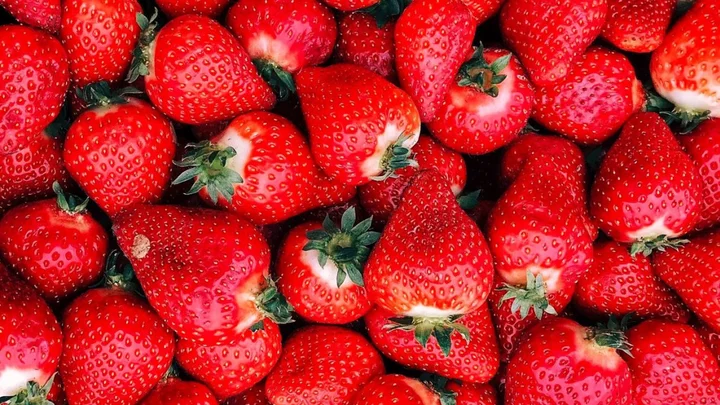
column 663, row 203
column 598, row 94
column 710, row 338
column 322, row 365
column 550, row 36
column 472, row 394
column 620, row 284
column 670, row 365
column 233, row 367
column 260, row 166
column 176, row 8
column 361, row 126
column 196, row 72
column 132, row 149
column 100, row 36
column 395, row 389
column 703, row 146
column 177, row 392
column 381, row 198
column 471, row 355
column 208, row 277
column 34, row 77
column 362, row 42
column 637, row 25
column 283, row 36
column 562, row 362
column 432, row 40
column 482, row 10
column 487, row 106
column 351, row 5
column 253, row 396
column 54, row 244
column 43, row 14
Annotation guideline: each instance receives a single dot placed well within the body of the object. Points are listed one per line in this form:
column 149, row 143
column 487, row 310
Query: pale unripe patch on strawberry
column 327, row 273
column 105, row 110
column 151, row 61
column 12, row 379
column 242, row 299
column 243, row 149
column 692, row 100
column 550, row 275
column 423, row 311
column 654, row 230
column 140, row 247
column 372, row 166
column 264, row 46
column 499, row 104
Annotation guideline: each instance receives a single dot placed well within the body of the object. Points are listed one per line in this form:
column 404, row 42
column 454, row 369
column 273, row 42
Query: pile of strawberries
column 360, row 202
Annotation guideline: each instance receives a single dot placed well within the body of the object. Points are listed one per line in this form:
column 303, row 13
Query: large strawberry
column 432, row 39
column 253, row 396
column 637, row 25
column 174, row 391
column 598, row 94
column 487, row 106
column 44, row 14
column 361, row 126
column 176, row 8
column 323, row 365
column 703, row 146
column 362, row 42
column 549, row 36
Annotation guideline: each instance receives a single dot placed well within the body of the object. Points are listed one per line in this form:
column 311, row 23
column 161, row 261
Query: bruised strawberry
column 637, row 25
column 43, row 14
column 703, row 146
column 177, row 392
column 208, row 8
column 363, row 43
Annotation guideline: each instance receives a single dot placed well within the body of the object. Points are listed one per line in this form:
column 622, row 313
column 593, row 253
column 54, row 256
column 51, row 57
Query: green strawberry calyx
column 531, row 296
column 119, row 274
column 141, row 55
column 385, row 11
column 279, row 79
column 100, row 94
column 438, row 385
column 680, row 120
column 441, row 328
column 470, row 200
column 396, row 157
column 69, row 203
column 207, row 163
column 480, row 74
column 661, row 243
column 32, row 394
column 611, row 335
column 272, row 305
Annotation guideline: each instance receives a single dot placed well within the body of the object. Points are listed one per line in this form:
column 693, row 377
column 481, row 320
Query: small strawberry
column 395, row 389
column 362, row 42
column 178, row 392
column 703, row 146
column 549, row 36
column 322, row 365
column 43, row 14
column 176, row 8
column 253, row 396
column 351, row 5
column 637, row 25
column 361, row 126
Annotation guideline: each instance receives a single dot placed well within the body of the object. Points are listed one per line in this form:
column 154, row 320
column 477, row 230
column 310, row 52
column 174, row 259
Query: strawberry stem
column 141, row 54
column 119, row 274
column 611, row 335
column 648, row 245
column 386, row 10
column 273, row 306
column 69, row 203
column 680, row 120
column 32, row 394
column 533, row 295
column 208, row 166
column 438, row 385
column 100, row 94
column 396, row 157
column 478, row 73
column 423, row 328
column 279, row 79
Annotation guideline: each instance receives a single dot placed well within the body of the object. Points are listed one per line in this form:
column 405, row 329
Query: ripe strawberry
column 260, row 167
column 253, row 396
column 670, row 365
column 363, row 43
column 178, row 392
column 663, row 203
column 482, row 10
column 322, row 365
column 283, row 36
column 43, row 14
column 472, row 394
column 233, row 367
column 208, row 277
column 562, row 362
column 637, row 25
column 550, row 36
column 432, row 40
column 710, row 338
column 488, row 105
column 703, row 146
column 176, row 8
column 131, row 156
column 196, row 72
column 54, row 244
column 351, row 5
column 361, row 126
column 34, row 77
column 395, row 389
column 100, row 36
column 381, row 198
column 593, row 100
column 473, row 356
column 620, row 284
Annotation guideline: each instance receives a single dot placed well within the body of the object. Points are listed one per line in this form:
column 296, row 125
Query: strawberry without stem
column 362, row 42
column 43, row 14
column 703, row 146
column 177, row 392
column 637, row 25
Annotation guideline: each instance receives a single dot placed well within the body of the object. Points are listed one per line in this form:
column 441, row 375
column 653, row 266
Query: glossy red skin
column 710, row 338
column 30, row 336
column 208, row 8
column 178, row 392
column 347, row 110
column 253, row 396
column 281, row 180
column 670, row 365
column 351, row 5
column 114, row 340
column 233, row 367
column 290, row 33
column 323, row 365
column 625, row 207
column 432, row 40
column 593, row 100
column 381, row 198
column 203, row 277
column 57, row 252
column 703, row 146
column 100, row 36
column 130, row 160
column 472, row 394
column 474, row 361
column 637, row 25
column 213, row 80
column 431, row 253
column 470, row 121
column 43, row 14
column 363, row 43
column 395, row 389
column 56, row 393
column 549, row 36
column 34, row 77
column 556, row 363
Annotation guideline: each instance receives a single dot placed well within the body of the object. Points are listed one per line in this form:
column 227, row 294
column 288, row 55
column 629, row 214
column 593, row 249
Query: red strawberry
column 34, row 77
column 43, row 14
column 562, row 362
column 670, row 365
column 207, row 278
column 703, row 146
column 637, row 25
column 176, row 8
column 381, row 198
column 482, row 10
column 549, row 36
column 54, row 244
column 664, row 202
column 432, row 40
column 361, row 126
column 363, row 43
column 260, row 167
column 394, row 389
column 351, row 5
column 100, row 36
column 283, row 36
column 177, row 392
column 233, row 367
column 487, row 106
column 472, row 394
column 253, row 396
column 131, row 156
column 710, row 338
column 593, row 100
column 322, row 365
